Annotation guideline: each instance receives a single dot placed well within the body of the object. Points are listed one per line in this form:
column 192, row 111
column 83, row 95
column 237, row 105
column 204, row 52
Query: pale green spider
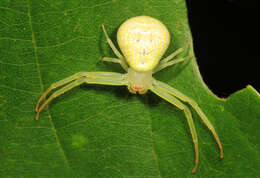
column 143, row 41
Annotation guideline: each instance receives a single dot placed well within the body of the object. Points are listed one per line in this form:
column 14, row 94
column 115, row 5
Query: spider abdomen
column 143, row 40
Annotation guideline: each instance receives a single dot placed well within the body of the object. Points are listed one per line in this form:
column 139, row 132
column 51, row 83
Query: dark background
column 226, row 43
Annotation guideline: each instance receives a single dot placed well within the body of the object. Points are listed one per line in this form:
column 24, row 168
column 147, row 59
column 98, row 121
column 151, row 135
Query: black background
column 226, row 43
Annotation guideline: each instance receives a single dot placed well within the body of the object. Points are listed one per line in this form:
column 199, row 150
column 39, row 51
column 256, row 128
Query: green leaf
column 104, row 131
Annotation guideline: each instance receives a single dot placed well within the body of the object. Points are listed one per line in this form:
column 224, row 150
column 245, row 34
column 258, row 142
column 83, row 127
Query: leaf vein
column 41, row 85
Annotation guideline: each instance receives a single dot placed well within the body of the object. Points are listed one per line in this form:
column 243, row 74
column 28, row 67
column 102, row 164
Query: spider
column 143, row 40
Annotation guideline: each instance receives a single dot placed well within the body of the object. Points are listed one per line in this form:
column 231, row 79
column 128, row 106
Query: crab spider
column 143, row 40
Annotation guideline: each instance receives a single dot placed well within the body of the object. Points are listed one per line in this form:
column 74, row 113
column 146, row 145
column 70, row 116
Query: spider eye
column 137, row 88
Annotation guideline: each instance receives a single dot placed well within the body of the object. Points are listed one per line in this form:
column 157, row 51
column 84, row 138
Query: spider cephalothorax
column 139, row 81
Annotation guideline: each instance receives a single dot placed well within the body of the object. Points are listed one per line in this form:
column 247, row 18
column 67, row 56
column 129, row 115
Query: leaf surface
column 104, row 131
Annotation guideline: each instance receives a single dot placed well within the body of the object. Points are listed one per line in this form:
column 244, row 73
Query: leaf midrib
column 41, row 85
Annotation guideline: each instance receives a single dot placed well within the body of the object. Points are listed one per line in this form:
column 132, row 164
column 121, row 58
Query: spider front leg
column 195, row 106
column 188, row 116
column 74, row 77
column 58, row 84
column 105, row 78
column 121, row 59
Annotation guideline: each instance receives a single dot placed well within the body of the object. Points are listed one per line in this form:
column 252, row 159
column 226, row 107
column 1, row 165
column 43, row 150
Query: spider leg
column 166, row 61
column 167, row 64
column 123, row 62
column 116, row 60
column 103, row 81
column 172, row 55
column 175, row 53
column 185, row 98
column 171, row 99
column 57, row 93
column 110, row 59
column 76, row 76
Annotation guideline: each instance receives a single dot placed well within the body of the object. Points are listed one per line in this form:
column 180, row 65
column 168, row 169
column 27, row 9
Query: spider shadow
column 122, row 93
column 119, row 92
